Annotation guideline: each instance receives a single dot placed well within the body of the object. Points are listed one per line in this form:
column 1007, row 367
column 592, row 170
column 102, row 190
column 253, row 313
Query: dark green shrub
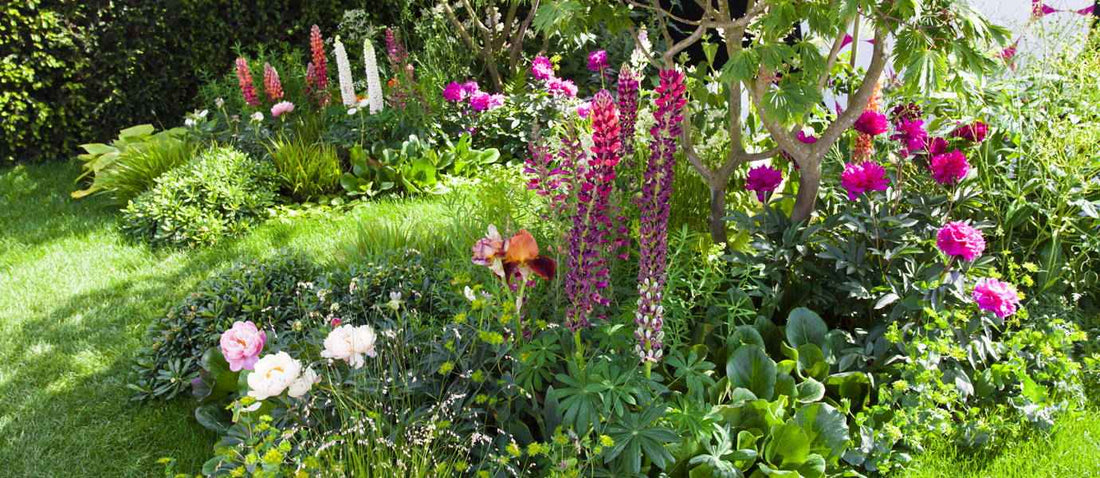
column 221, row 193
column 288, row 295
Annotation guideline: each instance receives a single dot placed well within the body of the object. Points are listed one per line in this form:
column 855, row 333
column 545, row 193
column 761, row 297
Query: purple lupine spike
column 546, row 177
column 590, row 237
column 628, row 110
column 654, row 205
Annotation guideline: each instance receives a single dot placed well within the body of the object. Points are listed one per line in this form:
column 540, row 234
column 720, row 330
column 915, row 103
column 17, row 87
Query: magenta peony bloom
column 470, row 87
column 974, row 132
column 454, row 92
column 281, row 108
column 241, row 345
column 995, row 296
column 482, row 101
column 911, row 133
column 763, row 180
column 906, row 112
column 949, row 168
column 597, row 60
column 562, row 88
column 859, row 178
column 806, row 138
column 871, row 123
column 937, row 146
column 541, row 68
column 958, row 239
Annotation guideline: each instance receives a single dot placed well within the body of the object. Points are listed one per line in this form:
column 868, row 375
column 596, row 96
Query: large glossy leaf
column 750, row 367
column 825, row 427
column 788, row 446
column 805, row 327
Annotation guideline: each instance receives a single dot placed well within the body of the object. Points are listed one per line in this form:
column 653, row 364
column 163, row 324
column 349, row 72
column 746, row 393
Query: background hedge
column 75, row 71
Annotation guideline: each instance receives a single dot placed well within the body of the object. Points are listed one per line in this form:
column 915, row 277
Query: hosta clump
column 221, row 193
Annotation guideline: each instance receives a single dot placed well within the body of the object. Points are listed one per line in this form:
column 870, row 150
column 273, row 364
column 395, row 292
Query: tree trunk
column 809, row 180
column 718, row 211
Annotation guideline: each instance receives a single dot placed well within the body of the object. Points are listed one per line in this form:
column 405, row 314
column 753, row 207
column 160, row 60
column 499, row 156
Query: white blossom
column 273, row 374
column 350, row 344
column 343, row 67
column 374, row 85
column 303, row 383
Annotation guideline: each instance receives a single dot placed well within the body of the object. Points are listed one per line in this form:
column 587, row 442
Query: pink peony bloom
column 763, row 180
column 281, row 107
column 995, row 296
column 562, row 88
column 949, row 168
column 859, row 178
column 470, row 87
column 871, row 123
column 241, row 345
column 597, row 60
column 583, row 109
column 806, row 138
column 974, row 132
column 958, row 239
column 541, row 68
column 482, row 101
column 911, row 133
column 937, row 146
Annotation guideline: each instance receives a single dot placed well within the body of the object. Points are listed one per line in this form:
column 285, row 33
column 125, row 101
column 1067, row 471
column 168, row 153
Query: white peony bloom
column 304, row 382
column 272, row 374
column 257, row 116
column 374, row 85
column 350, row 343
column 343, row 70
column 219, row 102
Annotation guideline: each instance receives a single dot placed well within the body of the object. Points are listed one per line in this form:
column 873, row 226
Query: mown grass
column 75, row 300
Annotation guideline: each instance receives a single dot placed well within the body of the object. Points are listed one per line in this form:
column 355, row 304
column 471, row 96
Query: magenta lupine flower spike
column 244, row 78
column 654, row 206
column 272, row 86
column 320, row 64
column 628, row 110
column 589, row 238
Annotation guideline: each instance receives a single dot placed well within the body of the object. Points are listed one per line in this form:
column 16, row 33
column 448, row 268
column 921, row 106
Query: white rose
column 272, row 374
column 350, row 343
column 304, row 382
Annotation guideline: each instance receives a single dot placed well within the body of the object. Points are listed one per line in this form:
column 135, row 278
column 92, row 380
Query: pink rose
column 241, row 345
column 958, row 239
column 995, row 296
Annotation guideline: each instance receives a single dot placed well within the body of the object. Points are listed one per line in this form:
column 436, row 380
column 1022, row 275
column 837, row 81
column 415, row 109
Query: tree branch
column 517, row 39
column 857, row 102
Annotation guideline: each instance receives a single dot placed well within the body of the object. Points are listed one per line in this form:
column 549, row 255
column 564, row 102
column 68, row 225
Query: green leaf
column 788, row 446
column 825, row 427
column 805, row 327
column 810, row 390
column 750, row 367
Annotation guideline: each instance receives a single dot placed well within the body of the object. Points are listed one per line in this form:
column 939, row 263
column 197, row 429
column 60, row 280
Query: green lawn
column 75, row 299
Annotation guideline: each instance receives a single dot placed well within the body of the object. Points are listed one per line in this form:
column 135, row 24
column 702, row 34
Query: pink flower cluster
column 763, row 180
column 995, row 296
column 949, row 168
column 561, row 88
column 859, row 178
column 959, row 239
column 541, row 68
column 911, row 134
column 241, row 345
column 456, row 92
column 597, row 60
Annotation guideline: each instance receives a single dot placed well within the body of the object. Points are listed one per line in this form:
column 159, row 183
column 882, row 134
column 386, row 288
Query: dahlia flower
column 859, row 178
column 272, row 375
column 763, row 180
column 241, row 345
column 949, row 168
column 995, row 296
column 958, row 239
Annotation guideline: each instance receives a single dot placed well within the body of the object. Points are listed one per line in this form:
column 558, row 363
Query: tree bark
column 809, row 181
column 718, row 211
